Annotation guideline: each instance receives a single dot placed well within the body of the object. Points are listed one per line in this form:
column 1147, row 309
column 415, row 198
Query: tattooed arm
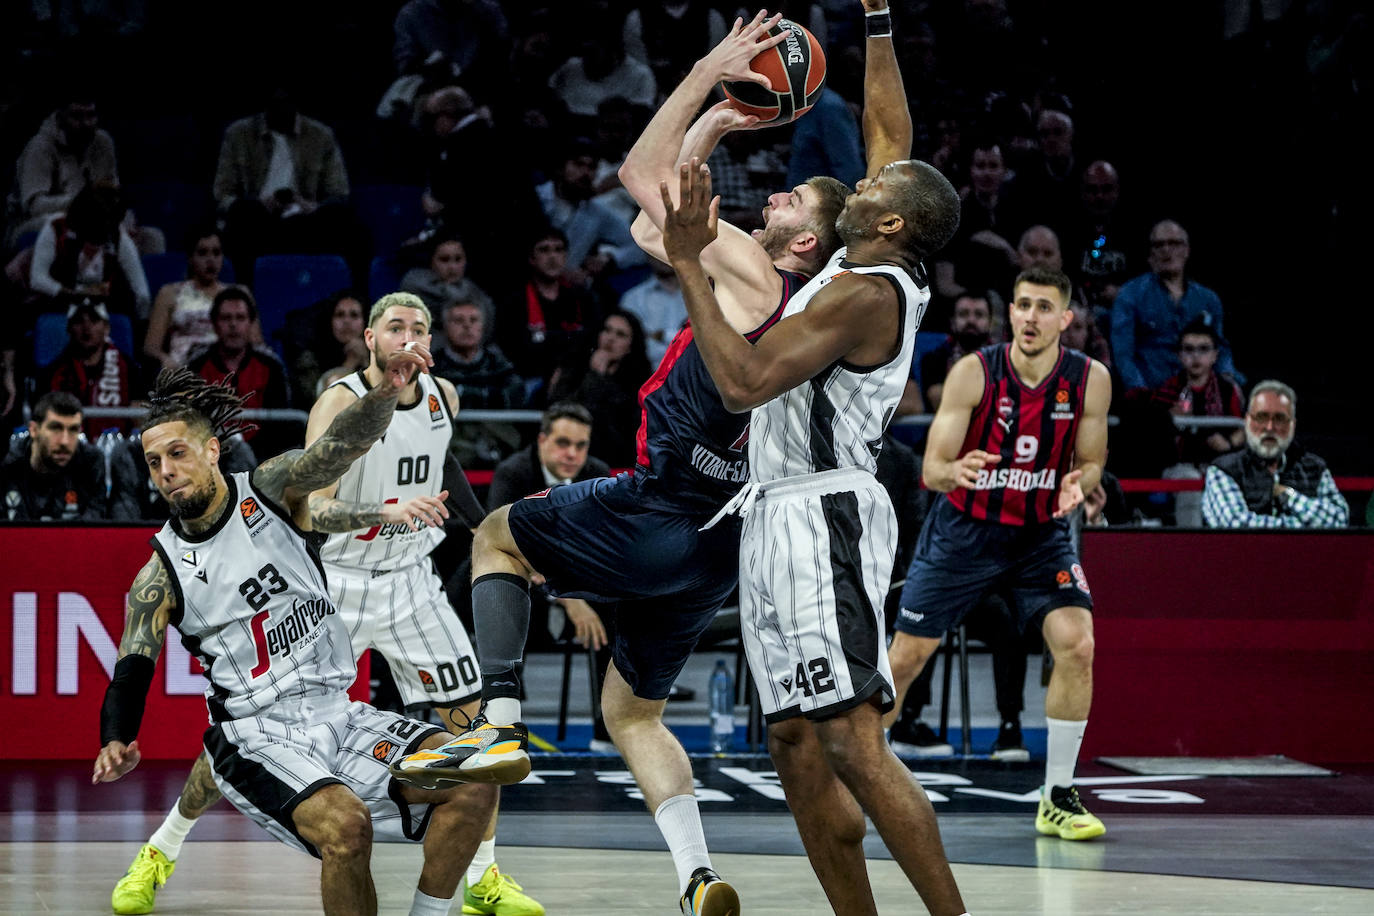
column 289, row 479
column 151, row 603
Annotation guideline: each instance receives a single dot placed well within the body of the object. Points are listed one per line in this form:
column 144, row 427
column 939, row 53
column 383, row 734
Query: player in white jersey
column 232, row 570
column 383, row 517
column 817, row 546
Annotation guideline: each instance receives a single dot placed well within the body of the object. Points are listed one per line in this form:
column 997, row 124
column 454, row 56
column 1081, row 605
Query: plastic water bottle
column 722, row 709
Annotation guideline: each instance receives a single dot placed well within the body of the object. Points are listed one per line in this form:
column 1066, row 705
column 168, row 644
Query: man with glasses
column 1272, row 483
column 1151, row 311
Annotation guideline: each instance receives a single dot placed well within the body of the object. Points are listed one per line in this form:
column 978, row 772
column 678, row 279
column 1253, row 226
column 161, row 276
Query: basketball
column 796, row 69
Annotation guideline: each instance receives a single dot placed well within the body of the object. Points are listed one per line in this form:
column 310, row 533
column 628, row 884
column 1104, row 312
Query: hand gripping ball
column 796, row 69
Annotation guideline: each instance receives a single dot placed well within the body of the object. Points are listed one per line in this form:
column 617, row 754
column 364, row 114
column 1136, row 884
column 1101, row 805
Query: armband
column 122, row 712
column 878, row 24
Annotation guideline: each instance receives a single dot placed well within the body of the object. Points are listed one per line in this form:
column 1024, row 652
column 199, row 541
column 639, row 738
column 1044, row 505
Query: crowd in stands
column 498, row 132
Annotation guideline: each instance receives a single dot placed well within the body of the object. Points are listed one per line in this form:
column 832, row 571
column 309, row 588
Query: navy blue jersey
column 690, row 450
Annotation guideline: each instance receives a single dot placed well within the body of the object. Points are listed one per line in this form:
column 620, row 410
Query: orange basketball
column 796, row 69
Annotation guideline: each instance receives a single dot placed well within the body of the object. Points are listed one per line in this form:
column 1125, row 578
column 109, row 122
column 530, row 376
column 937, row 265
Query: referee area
column 578, row 838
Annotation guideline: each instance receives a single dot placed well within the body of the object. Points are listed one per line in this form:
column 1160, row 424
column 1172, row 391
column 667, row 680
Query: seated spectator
column 1045, row 189
column 1272, row 483
column 445, row 280
column 671, row 36
column 91, row 366
column 281, row 186
column 606, row 380
column 52, row 475
column 657, row 303
column 1151, row 311
column 1083, row 335
column 180, row 319
column 256, row 372
column 599, row 240
column 86, row 253
column 1101, row 250
column 979, row 256
column 970, row 329
column 485, row 380
column 336, row 343
column 1199, row 391
column 618, row 123
column 550, row 316
column 600, row 69
column 69, row 152
column 469, row 39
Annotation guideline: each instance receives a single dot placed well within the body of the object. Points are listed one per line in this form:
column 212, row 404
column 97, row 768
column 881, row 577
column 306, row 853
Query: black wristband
column 122, row 712
column 878, row 24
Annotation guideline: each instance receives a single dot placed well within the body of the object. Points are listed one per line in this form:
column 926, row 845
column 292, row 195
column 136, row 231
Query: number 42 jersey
column 253, row 608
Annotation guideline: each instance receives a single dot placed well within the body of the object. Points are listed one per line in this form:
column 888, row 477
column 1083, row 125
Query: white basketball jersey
column 408, row 461
column 836, row 419
column 255, row 610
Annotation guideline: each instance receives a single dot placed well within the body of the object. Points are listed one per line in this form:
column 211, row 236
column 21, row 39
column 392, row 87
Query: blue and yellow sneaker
column 136, row 891
column 1062, row 814
column 481, row 753
column 707, row 895
column 497, row 894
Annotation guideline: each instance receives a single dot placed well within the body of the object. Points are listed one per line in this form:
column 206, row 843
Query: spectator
column 1083, row 335
column 1152, row 309
column 970, row 330
column 1046, row 190
column 334, row 342
column 657, row 303
column 551, row 316
column 281, row 185
column 445, row 280
column 469, row 39
column 669, row 37
column 180, row 319
column 601, row 69
column 256, row 372
column 1097, row 237
column 980, row 255
column 484, row 379
column 86, row 253
column 606, row 381
column 825, row 142
column 1039, row 247
column 91, row 367
column 53, row 475
column 617, row 125
column 1199, row 391
column 1272, row 483
column 69, row 152
column 598, row 240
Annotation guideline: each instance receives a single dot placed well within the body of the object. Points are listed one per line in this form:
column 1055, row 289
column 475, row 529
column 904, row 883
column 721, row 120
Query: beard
column 775, row 240
column 969, row 340
column 1268, row 450
column 195, row 505
column 850, row 230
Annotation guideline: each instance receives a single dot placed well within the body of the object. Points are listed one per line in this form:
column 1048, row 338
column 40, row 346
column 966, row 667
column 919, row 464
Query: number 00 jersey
column 408, row 461
column 253, row 607
column 1033, row 429
column 836, row 419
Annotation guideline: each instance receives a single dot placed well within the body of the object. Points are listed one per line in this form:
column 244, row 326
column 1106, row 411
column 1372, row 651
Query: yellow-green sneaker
column 136, row 891
column 497, row 894
column 1062, row 814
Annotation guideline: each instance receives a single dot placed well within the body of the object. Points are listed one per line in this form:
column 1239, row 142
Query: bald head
column 1055, row 132
column 1039, row 247
column 1101, row 188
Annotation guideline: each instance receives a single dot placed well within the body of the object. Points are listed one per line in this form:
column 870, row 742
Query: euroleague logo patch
column 436, row 411
column 1073, row 576
column 427, row 680
column 252, row 513
column 383, row 750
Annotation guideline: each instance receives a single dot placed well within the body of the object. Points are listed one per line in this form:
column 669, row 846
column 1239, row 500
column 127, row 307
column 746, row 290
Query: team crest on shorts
column 436, row 410
column 427, row 680
column 383, row 750
column 252, row 513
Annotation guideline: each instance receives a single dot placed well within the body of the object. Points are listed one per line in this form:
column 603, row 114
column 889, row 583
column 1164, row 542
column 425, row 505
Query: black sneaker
column 708, row 895
column 919, row 741
column 1009, row 746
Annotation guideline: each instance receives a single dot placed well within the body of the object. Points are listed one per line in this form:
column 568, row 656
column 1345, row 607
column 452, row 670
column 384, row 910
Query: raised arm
column 887, row 120
column 943, row 467
column 151, row 603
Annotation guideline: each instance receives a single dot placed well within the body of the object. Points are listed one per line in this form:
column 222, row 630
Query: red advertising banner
column 62, row 600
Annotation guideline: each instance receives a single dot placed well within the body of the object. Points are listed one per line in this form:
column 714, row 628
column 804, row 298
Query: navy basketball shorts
column 960, row 559
column 596, row 539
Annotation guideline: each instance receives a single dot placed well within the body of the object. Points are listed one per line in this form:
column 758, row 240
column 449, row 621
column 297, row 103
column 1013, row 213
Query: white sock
column 481, row 860
column 679, row 820
column 425, row 905
column 1061, row 756
column 502, row 711
column 168, row 837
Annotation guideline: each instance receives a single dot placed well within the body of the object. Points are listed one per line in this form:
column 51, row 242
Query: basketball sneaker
column 481, row 753
column 707, row 895
column 918, row 741
column 136, row 891
column 1009, row 746
column 1062, row 814
column 497, row 894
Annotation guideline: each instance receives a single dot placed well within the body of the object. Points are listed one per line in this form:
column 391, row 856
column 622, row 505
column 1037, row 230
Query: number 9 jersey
column 408, row 461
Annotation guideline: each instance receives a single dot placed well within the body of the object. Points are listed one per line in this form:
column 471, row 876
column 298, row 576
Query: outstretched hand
column 730, row 59
column 1070, row 494
column 690, row 226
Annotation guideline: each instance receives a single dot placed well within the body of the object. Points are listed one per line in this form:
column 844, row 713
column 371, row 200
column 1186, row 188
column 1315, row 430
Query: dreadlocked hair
column 211, row 409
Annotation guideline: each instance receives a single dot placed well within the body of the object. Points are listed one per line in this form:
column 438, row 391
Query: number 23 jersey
column 253, row 607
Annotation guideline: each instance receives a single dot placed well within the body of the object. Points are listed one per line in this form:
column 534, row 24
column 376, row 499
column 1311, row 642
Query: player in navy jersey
column 234, row 573
column 1021, row 433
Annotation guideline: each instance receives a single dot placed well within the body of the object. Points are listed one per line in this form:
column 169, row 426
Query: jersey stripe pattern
column 408, row 461
column 691, row 451
column 1033, row 429
column 253, row 607
column 836, row 419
